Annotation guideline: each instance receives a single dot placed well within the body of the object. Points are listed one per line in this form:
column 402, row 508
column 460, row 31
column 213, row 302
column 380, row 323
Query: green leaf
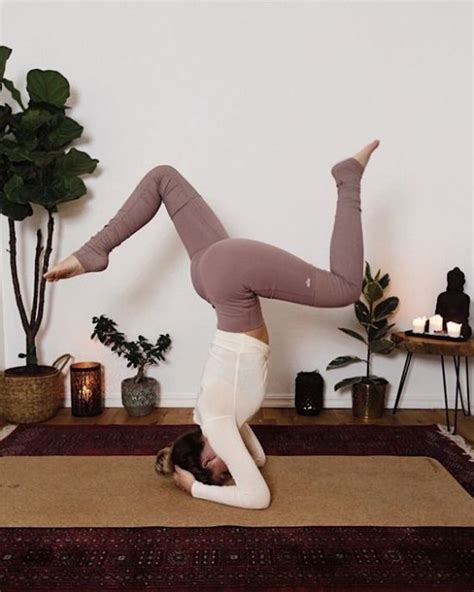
column 75, row 162
column 385, row 307
column 5, row 114
column 381, row 331
column 15, row 93
column 4, row 55
column 381, row 346
column 47, row 86
column 377, row 275
column 65, row 132
column 373, row 292
column 73, row 187
column 353, row 334
column 42, row 158
column 347, row 382
column 361, row 311
column 12, row 185
column 19, row 193
column 384, row 281
column 12, row 150
column 343, row 361
column 33, row 119
column 368, row 273
column 14, row 211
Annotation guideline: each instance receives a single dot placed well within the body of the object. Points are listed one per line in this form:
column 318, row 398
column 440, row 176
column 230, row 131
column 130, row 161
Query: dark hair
column 186, row 453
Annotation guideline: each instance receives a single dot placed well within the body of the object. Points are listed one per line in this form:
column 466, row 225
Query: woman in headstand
column 231, row 274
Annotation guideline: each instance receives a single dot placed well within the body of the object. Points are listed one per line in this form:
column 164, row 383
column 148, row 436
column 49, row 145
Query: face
column 210, row 460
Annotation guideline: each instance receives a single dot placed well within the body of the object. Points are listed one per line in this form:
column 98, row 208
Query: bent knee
column 161, row 170
column 352, row 294
column 356, row 292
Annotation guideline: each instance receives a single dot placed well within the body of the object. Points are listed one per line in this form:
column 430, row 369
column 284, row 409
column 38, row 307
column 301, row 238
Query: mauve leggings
column 231, row 273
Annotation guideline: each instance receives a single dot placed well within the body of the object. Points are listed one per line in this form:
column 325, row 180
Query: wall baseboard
column 288, row 401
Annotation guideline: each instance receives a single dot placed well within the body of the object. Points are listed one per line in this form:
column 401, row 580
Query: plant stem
column 140, row 374
column 47, row 254
column 39, row 248
column 14, row 271
column 371, row 306
column 31, row 327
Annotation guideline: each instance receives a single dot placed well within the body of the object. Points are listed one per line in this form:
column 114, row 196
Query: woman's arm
column 250, row 490
column 253, row 445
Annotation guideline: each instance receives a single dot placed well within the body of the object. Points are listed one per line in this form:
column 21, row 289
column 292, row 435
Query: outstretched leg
column 195, row 222
column 293, row 279
column 236, row 271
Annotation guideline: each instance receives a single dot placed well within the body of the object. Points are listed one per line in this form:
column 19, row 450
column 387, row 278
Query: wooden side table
column 437, row 347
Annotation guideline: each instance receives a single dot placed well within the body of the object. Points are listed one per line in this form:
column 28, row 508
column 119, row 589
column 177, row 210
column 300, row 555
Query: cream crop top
column 233, row 385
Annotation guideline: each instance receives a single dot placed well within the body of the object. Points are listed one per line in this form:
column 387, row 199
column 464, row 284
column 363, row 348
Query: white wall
column 253, row 103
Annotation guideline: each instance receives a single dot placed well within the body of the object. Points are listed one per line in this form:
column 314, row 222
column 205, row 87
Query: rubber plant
column 139, row 353
column 372, row 316
column 37, row 168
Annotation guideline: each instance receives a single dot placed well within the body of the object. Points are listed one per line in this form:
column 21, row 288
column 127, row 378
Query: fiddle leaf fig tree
column 37, row 167
column 373, row 319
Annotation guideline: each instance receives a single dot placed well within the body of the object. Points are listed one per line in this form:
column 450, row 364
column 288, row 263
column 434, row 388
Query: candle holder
column 309, row 393
column 86, row 389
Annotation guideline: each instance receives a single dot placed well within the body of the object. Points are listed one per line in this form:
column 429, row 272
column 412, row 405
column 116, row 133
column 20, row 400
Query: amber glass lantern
column 86, row 389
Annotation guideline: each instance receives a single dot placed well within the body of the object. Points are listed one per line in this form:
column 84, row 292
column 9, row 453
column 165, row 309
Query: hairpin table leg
column 445, row 394
column 468, row 394
column 402, row 379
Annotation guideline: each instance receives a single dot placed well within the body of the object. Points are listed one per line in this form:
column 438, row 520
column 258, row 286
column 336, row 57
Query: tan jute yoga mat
column 98, row 491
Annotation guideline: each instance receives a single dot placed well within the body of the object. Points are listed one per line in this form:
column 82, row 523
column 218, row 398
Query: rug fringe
column 7, row 430
column 459, row 440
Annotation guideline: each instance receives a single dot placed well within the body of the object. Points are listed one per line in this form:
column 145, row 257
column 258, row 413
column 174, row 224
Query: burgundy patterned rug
column 234, row 557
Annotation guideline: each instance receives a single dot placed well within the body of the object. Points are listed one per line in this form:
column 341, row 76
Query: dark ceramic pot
column 368, row 399
column 139, row 398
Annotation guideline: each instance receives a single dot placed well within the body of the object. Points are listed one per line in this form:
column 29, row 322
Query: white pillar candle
column 436, row 323
column 454, row 329
column 419, row 324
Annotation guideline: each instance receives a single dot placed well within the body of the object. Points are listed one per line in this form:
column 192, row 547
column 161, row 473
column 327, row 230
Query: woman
column 231, row 274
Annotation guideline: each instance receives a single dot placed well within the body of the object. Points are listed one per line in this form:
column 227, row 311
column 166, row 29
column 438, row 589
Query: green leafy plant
column 36, row 169
column 139, row 353
column 373, row 318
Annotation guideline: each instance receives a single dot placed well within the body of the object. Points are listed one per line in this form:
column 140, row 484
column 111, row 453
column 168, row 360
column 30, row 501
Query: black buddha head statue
column 456, row 279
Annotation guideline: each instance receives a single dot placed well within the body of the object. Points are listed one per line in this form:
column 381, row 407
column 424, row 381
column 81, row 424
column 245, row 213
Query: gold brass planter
column 368, row 399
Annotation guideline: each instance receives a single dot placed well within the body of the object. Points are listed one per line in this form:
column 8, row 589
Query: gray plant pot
column 139, row 399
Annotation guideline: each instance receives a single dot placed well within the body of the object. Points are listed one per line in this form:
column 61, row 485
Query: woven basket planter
column 32, row 398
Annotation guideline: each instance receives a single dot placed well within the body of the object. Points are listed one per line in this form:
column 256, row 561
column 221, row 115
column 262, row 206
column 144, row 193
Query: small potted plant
column 368, row 391
column 139, row 392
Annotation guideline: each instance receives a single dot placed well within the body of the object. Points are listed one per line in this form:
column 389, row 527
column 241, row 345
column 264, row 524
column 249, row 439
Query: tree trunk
column 31, row 326
column 140, row 374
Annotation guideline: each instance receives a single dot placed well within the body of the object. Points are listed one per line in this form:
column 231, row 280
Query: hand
column 67, row 268
column 183, row 479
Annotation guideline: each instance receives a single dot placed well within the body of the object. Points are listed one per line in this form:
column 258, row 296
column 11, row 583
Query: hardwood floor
column 273, row 415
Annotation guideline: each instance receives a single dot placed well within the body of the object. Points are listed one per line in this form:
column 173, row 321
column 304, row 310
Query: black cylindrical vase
column 309, row 393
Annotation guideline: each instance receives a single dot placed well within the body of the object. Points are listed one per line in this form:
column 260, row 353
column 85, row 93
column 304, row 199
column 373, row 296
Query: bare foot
column 364, row 155
column 67, row 268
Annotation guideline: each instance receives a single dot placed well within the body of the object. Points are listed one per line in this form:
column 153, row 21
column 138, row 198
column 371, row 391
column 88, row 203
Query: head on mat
column 192, row 452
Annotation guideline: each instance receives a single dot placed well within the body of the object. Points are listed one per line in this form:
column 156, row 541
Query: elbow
column 260, row 500
column 265, row 502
